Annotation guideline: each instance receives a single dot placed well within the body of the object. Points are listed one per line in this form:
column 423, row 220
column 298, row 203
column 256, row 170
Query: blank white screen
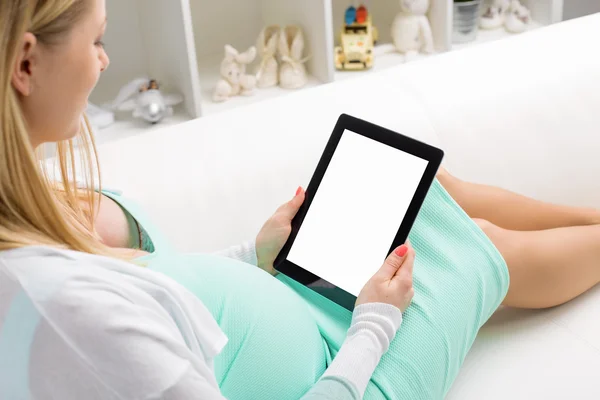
column 356, row 212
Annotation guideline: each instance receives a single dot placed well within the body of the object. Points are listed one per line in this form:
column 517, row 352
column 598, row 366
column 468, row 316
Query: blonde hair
column 36, row 208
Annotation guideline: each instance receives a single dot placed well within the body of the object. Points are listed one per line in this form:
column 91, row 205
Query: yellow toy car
column 357, row 39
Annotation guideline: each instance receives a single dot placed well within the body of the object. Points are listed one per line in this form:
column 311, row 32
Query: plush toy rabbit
column 411, row 32
column 234, row 80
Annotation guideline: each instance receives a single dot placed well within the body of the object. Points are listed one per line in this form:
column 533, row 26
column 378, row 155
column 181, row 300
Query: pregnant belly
column 275, row 350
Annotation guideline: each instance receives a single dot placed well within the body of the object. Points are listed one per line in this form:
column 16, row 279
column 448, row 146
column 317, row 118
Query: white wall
column 149, row 38
column 125, row 47
column 217, row 23
column 545, row 12
column 578, row 8
column 169, row 48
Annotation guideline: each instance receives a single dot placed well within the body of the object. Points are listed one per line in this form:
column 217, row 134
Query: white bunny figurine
column 234, row 80
column 411, row 32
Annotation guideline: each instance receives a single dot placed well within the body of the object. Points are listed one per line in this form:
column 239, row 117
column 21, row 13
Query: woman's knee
column 496, row 234
column 445, row 177
column 509, row 243
column 453, row 185
column 484, row 224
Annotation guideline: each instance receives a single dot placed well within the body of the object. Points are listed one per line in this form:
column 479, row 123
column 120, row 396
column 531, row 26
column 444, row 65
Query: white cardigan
column 74, row 326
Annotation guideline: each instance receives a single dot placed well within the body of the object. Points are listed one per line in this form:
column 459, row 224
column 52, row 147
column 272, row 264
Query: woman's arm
column 113, row 337
column 118, row 229
column 375, row 320
column 245, row 252
column 374, row 326
column 115, row 226
column 108, row 339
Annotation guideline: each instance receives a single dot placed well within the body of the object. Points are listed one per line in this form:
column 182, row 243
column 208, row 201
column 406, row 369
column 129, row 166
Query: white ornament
column 267, row 72
column 149, row 103
column 411, row 32
column 292, row 71
column 494, row 15
column 234, row 80
column 518, row 18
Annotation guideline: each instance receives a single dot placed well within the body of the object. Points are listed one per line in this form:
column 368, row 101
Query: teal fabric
column 138, row 236
column 16, row 336
column 332, row 388
column 283, row 335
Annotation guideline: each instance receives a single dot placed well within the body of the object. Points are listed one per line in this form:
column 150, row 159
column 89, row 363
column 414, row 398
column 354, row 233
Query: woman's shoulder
column 73, row 286
column 54, row 275
column 98, row 313
column 39, row 267
column 55, row 279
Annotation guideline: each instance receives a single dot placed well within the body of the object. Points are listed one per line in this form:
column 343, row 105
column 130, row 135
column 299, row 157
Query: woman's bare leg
column 552, row 251
column 547, row 267
column 513, row 211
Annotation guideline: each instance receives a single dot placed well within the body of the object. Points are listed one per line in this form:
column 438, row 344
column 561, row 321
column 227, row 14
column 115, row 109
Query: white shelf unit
column 383, row 13
column 181, row 44
column 148, row 38
column 239, row 23
column 543, row 13
column 484, row 36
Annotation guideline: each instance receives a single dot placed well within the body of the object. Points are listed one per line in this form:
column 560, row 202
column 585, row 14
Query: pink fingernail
column 298, row 190
column 402, row 250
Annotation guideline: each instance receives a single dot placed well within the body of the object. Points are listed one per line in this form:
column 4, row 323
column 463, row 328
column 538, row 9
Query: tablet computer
column 361, row 203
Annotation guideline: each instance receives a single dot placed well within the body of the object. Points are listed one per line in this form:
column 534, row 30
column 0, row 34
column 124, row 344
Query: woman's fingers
column 406, row 271
column 290, row 209
column 393, row 263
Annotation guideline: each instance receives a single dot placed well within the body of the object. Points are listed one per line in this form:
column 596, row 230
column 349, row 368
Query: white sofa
column 522, row 113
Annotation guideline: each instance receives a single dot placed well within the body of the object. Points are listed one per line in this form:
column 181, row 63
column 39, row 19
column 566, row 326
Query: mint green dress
column 282, row 335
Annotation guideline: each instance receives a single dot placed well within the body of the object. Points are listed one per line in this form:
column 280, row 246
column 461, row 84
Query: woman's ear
column 22, row 76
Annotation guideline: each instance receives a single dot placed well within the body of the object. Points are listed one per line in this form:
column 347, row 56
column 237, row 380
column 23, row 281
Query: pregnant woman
column 96, row 304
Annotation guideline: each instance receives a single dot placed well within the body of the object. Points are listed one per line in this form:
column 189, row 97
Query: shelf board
column 208, row 68
column 385, row 57
column 127, row 126
column 490, row 35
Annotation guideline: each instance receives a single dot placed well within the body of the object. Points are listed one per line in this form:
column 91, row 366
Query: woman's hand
column 393, row 283
column 276, row 231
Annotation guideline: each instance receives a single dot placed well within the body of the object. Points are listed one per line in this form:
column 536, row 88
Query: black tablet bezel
column 383, row 135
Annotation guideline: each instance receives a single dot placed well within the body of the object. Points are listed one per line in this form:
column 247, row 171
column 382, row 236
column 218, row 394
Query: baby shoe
column 518, row 18
column 267, row 70
column 494, row 15
column 292, row 72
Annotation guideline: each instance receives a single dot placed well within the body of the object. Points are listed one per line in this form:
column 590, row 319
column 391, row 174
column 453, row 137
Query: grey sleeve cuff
column 373, row 328
column 245, row 252
column 332, row 388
